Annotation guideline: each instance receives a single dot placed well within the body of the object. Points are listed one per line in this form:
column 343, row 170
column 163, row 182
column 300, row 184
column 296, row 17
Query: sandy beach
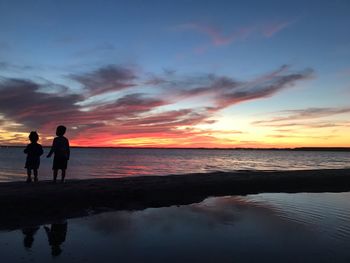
column 27, row 204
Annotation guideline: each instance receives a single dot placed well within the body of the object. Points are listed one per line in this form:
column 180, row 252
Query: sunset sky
column 176, row 73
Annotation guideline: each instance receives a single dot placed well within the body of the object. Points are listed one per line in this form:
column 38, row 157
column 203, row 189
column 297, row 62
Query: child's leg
column 55, row 172
column 29, row 175
column 63, row 175
column 35, row 172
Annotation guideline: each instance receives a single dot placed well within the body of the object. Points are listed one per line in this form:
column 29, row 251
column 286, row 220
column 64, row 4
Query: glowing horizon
column 204, row 75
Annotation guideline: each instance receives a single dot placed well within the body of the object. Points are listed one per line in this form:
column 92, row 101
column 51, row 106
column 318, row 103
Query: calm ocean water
column 255, row 228
column 95, row 163
column 276, row 227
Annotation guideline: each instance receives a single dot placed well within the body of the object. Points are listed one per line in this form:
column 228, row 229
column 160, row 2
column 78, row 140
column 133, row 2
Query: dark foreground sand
column 24, row 204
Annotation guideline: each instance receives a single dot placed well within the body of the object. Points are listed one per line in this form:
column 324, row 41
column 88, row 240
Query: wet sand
column 24, row 204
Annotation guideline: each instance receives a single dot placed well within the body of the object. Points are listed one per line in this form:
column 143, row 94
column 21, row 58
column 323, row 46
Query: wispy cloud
column 303, row 114
column 106, row 79
column 217, row 37
column 296, row 136
column 220, row 38
column 21, row 101
column 225, row 91
column 130, row 116
column 262, row 89
column 312, row 125
column 14, row 67
column 142, row 117
column 271, row 29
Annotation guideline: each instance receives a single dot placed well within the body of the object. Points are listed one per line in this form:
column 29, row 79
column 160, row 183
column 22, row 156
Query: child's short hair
column 33, row 136
column 61, row 130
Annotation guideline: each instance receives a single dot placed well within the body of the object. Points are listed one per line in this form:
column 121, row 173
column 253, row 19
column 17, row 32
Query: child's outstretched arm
column 41, row 151
column 50, row 153
column 52, row 150
column 26, row 149
column 68, row 150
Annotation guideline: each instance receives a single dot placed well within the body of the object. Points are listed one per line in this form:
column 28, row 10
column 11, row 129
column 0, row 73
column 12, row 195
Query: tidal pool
column 303, row 227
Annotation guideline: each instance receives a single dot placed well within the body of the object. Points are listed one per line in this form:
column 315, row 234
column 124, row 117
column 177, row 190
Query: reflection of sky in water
column 254, row 228
column 325, row 213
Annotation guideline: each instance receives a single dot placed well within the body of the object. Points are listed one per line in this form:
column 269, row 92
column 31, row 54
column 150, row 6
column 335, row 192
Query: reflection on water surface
column 256, row 228
column 95, row 163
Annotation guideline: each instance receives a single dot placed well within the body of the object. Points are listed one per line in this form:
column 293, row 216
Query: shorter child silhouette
column 33, row 151
column 60, row 147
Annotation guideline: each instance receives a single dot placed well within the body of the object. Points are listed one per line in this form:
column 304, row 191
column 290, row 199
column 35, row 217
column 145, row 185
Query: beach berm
column 44, row 201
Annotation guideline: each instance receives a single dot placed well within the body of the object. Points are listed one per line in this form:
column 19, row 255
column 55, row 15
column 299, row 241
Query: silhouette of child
column 60, row 147
column 56, row 236
column 29, row 233
column 33, row 151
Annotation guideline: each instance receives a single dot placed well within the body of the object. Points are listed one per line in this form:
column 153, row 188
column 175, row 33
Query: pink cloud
column 217, row 37
column 273, row 28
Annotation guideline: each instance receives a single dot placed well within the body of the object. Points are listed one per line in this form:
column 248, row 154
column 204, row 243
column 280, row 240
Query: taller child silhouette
column 60, row 148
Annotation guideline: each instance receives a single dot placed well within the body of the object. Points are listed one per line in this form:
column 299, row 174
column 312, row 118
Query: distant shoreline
column 30, row 204
column 331, row 149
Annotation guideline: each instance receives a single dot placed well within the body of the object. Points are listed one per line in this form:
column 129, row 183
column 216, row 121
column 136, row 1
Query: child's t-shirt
column 60, row 147
column 33, row 151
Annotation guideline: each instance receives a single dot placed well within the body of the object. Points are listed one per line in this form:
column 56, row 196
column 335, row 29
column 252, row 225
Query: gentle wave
column 327, row 211
column 93, row 163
